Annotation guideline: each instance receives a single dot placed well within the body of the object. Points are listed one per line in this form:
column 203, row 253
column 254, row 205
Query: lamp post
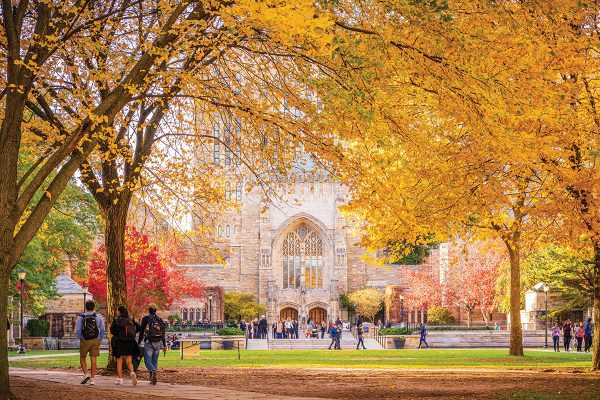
column 21, row 275
column 210, row 297
column 546, row 289
column 401, row 310
column 84, row 289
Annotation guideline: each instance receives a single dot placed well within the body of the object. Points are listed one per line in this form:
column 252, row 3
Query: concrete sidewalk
column 168, row 390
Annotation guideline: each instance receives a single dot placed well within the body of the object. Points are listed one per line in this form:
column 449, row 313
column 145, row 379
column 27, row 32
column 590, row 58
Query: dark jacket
column 143, row 330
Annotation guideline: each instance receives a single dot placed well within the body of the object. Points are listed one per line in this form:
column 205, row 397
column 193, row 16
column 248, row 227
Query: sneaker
column 85, row 380
column 133, row 378
column 92, row 382
column 154, row 377
column 119, row 381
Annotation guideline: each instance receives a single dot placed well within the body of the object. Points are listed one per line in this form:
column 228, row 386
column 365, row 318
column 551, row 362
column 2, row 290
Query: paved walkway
column 172, row 391
column 25, row 357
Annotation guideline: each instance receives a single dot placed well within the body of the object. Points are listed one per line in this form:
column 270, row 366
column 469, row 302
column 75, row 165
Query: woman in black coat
column 124, row 345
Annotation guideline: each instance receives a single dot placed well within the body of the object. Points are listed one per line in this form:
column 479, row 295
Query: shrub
column 439, row 315
column 395, row 331
column 38, row 327
column 230, row 332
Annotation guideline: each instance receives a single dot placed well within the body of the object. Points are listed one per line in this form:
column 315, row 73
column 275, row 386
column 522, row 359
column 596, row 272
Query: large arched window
column 302, row 252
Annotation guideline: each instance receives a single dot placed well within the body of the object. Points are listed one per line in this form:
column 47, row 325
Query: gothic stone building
column 296, row 255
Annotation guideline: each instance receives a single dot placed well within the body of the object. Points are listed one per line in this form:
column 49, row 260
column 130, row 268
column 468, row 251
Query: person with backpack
column 90, row 330
column 124, row 344
column 153, row 333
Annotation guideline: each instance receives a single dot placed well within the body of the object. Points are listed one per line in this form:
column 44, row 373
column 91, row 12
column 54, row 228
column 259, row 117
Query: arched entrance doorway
column 317, row 315
column 290, row 313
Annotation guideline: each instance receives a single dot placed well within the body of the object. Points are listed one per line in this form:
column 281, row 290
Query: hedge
column 38, row 327
column 395, row 331
column 230, row 332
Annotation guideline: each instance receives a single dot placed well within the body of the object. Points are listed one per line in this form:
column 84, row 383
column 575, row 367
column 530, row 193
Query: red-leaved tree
column 472, row 277
column 152, row 275
column 469, row 280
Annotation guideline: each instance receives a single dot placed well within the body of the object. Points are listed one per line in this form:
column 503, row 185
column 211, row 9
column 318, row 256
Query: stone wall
column 470, row 339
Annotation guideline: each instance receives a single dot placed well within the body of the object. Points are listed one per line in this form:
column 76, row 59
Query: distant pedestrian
column 587, row 335
column 124, row 344
column 567, row 334
column 496, row 326
column 296, row 328
column 579, row 335
column 333, row 336
column 338, row 337
column 323, row 329
column 153, row 334
column 90, row 330
column 423, row 336
column 263, row 327
column 360, row 333
column 555, row 332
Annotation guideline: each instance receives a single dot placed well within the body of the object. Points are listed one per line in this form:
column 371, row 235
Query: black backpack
column 155, row 329
column 126, row 329
column 89, row 327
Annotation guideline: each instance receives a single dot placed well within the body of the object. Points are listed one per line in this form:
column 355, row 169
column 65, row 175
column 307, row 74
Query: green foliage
column 65, row 237
column 345, row 303
column 439, row 315
column 240, row 306
column 395, row 331
column 174, row 318
column 230, row 332
column 38, row 327
column 565, row 272
column 414, row 253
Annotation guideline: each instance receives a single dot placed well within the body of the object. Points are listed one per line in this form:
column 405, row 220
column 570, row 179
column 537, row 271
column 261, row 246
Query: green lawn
column 401, row 359
column 39, row 352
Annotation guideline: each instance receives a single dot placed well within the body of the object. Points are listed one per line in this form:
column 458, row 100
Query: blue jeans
column 151, row 352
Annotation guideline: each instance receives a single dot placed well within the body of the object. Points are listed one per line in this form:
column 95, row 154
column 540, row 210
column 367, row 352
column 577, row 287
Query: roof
column 66, row 285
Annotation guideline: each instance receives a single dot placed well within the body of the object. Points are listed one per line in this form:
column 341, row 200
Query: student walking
column 323, row 329
column 338, row 337
column 579, row 335
column 90, row 330
column 124, row 345
column 333, row 336
column 423, row 336
column 152, row 332
column 361, row 340
column 555, row 332
column 567, row 334
column 587, row 335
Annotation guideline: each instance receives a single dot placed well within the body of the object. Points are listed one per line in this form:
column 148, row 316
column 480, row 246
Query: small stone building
column 62, row 312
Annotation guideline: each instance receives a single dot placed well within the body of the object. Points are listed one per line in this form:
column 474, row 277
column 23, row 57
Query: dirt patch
column 374, row 384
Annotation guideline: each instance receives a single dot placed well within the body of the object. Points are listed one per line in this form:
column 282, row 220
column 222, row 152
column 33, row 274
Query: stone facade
column 296, row 254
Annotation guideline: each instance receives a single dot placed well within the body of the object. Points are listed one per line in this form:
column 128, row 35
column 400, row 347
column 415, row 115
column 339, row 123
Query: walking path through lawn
column 143, row 388
column 18, row 358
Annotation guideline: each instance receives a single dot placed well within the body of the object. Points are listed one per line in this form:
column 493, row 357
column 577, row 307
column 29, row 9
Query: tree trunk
column 596, row 338
column 484, row 315
column 516, row 331
column 4, row 380
column 469, row 316
column 116, row 283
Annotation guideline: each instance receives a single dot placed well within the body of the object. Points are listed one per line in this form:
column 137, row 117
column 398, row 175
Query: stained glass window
column 302, row 244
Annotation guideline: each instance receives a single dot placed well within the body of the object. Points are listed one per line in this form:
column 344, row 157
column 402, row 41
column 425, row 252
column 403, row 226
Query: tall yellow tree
column 450, row 110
